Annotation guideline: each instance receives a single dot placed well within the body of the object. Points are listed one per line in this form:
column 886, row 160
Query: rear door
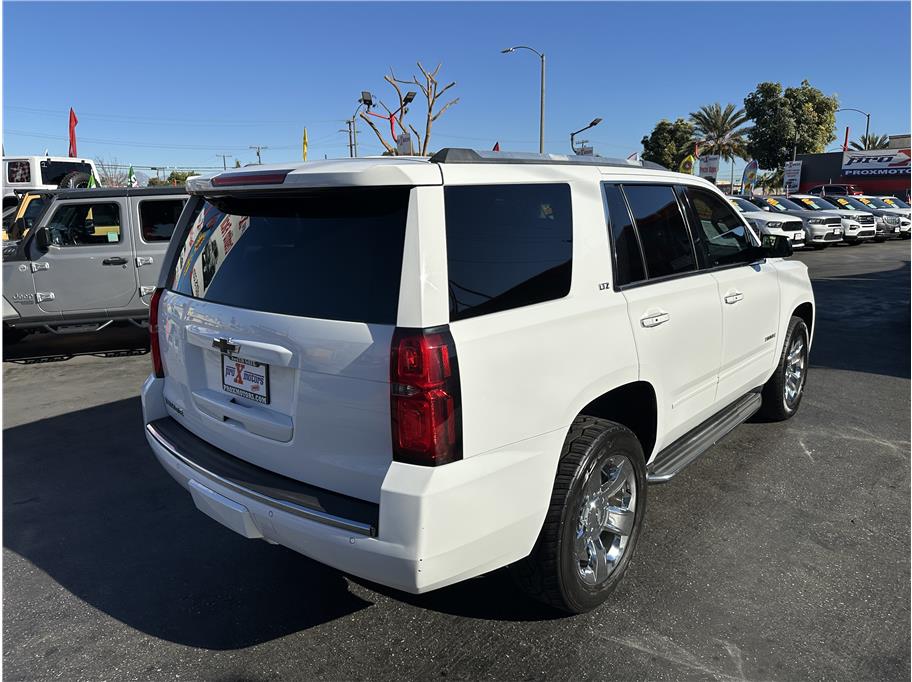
column 748, row 293
column 674, row 308
column 277, row 328
column 88, row 269
column 154, row 218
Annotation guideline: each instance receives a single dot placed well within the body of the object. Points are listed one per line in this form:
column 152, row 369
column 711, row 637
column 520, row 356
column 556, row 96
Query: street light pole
column 867, row 122
column 368, row 101
column 594, row 123
column 541, row 112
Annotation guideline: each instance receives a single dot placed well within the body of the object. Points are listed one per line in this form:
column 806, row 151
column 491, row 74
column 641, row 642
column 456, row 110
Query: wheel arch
column 632, row 405
column 806, row 312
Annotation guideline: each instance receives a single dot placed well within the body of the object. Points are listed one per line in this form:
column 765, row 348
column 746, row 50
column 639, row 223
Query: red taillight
column 157, row 366
column 425, row 402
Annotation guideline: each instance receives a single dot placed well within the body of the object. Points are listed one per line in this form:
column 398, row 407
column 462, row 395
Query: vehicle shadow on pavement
column 863, row 322
column 85, row 501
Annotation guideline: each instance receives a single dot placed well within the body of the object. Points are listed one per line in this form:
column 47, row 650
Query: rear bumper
column 434, row 526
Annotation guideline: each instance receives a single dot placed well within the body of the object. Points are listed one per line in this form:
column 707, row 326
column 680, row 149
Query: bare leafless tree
column 432, row 92
column 111, row 173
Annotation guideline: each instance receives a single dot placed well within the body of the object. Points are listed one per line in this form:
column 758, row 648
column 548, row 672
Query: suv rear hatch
column 276, row 325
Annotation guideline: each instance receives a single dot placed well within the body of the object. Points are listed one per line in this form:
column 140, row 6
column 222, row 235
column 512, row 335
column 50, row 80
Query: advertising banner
column 792, row 176
column 709, row 167
column 749, row 179
column 875, row 162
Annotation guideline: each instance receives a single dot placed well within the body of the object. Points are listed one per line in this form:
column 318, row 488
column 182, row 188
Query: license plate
column 837, row 231
column 246, row 378
column 896, row 229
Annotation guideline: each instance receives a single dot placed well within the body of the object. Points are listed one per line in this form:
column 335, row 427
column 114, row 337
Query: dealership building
column 879, row 171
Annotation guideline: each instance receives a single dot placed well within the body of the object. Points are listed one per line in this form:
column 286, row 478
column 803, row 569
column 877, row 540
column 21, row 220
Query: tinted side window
column 85, row 225
column 720, row 235
column 18, row 171
column 158, row 218
column 663, row 232
column 628, row 261
column 507, row 246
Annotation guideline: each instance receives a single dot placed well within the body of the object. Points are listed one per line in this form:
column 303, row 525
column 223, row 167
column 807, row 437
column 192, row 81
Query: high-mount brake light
column 251, row 178
column 154, row 349
column 425, row 401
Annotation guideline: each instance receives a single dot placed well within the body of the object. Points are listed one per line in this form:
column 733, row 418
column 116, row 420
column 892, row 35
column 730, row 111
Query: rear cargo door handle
column 733, row 297
column 117, row 260
column 654, row 319
column 270, row 353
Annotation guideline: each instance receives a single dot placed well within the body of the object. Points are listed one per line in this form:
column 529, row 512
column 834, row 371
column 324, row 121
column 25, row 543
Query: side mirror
column 43, row 238
column 776, row 246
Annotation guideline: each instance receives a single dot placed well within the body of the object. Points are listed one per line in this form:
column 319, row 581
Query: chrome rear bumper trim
column 282, row 505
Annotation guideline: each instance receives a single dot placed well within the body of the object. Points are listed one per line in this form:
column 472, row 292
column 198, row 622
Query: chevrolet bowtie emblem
column 225, row 346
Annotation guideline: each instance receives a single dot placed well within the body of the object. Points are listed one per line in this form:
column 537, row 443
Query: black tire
column 74, row 180
column 776, row 406
column 552, row 573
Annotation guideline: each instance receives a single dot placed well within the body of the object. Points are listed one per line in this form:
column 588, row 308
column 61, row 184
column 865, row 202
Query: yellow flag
column 687, row 165
column 304, row 145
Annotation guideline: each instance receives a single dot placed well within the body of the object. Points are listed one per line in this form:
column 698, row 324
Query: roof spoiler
column 459, row 155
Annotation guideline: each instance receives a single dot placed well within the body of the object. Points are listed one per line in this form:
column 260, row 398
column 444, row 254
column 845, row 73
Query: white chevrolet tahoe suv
column 420, row 370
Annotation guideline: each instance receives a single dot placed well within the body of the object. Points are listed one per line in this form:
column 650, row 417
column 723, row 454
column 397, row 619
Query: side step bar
column 673, row 459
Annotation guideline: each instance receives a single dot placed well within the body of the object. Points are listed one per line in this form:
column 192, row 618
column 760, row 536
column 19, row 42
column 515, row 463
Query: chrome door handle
column 143, row 260
column 733, row 297
column 654, row 320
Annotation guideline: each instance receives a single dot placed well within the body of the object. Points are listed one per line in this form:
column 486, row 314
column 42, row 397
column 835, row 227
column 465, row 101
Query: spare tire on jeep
column 74, row 180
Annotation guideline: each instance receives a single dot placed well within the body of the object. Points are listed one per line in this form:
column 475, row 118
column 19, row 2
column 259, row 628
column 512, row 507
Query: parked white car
column 421, row 370
column 887, row 222
column 823, row 228
column 857, row 226
column 766, row 223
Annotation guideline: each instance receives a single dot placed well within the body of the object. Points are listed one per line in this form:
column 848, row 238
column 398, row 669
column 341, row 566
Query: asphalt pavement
column 783, row 553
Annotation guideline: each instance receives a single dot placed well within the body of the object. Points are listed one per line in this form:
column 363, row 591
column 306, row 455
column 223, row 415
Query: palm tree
column 872, row 141
column 720, row 131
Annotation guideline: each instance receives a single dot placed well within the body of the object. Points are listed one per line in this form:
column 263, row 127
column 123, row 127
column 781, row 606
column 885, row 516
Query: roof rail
column 459, row 155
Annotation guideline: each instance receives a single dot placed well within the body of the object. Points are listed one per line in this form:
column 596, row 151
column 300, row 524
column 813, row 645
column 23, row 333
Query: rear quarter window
column 18, row 171
column 157, row 218
column 330, row 254
column 508, row 246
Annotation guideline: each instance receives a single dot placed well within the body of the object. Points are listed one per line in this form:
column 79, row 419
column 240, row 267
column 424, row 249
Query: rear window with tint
column 508, row 246
column 330, row 254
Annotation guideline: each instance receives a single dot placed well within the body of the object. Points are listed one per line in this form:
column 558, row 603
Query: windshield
column 780, row 204
column 743, row 205
column 893, row 202
column 284, row 253
column 845, row 203
column 873, row 202
column 811, row 203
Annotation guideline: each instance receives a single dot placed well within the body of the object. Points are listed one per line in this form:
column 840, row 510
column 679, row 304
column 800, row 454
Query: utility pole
column 225, row 158
column 258, row 148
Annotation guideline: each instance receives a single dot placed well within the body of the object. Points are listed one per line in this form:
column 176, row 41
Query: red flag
column 496, row 147
column 73, row 122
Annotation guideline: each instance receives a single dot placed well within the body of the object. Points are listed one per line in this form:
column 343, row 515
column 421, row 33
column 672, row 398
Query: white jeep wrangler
column 421, row 370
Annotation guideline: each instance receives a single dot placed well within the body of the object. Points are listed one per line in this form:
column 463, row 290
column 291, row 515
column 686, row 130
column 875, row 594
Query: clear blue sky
column 176, row 83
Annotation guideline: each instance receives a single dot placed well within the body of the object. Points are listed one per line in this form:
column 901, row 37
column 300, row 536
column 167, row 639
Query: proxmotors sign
column 883, row 162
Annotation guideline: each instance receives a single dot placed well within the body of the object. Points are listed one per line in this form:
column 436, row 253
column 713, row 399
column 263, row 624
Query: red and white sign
column 879, row 162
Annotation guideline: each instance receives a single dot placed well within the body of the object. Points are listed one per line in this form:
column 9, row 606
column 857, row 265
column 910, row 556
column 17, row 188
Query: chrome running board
column 673, row 459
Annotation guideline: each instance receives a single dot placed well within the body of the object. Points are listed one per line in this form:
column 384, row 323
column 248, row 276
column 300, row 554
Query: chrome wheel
column 795, row 365
column 606, row 519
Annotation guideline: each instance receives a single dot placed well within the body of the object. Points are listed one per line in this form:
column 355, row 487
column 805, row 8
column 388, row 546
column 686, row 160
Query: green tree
column 871, row 141
column 176, row 178
column 720, row 131
column 801, row 118
column 669, row 143
column 237, row 163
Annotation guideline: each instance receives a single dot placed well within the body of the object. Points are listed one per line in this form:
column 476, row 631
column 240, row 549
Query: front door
column 88, row 269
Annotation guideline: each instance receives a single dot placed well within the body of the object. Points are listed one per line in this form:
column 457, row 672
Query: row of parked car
column 819, row 220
